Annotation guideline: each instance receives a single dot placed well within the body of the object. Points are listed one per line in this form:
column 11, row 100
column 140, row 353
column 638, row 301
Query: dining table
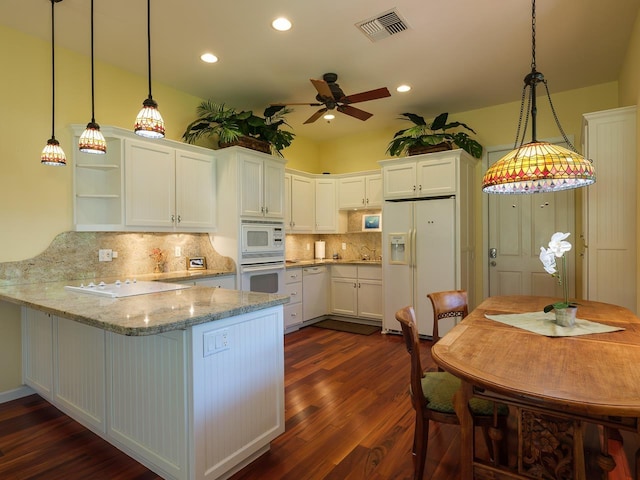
column 554, row 380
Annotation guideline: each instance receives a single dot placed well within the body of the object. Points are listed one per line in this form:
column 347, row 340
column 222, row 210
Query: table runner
column 544, row 324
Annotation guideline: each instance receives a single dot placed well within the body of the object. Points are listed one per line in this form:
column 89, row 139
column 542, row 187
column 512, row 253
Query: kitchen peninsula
column 190, row 382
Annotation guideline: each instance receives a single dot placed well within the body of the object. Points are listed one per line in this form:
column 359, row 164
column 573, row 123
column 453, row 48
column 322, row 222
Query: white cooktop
column 126, row 288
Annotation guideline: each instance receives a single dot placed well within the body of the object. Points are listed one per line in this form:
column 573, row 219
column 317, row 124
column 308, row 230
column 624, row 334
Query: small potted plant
column 565, row 310
column 425, row 138
column 232, row 127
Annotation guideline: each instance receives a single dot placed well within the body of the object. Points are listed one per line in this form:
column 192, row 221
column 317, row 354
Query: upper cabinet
column 168, row 188
column 144, row 185
column 300, row 201
column 429, row 175
column 325, row 206
column 255, row 179
column 361, row 191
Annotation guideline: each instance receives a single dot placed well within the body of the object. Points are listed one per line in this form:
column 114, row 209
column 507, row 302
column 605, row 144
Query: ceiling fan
column 331, row 97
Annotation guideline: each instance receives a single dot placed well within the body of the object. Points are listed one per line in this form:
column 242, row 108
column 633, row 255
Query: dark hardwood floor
column 348, row 416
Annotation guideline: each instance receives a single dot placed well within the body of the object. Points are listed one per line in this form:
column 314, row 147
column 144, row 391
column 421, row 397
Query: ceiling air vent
column 383, row 25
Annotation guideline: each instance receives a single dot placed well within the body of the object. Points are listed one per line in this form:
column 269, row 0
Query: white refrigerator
column 419, row 257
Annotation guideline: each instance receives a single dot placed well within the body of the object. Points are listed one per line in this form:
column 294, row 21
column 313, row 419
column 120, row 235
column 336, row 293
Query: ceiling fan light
column 281, row 24
column 52, row 154
column 149, row 122
column 92, row 140
column 329, row 116
column 208, row 58
column 403, row 88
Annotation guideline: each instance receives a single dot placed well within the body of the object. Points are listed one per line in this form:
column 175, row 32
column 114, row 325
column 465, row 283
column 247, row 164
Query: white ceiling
column 457, row 55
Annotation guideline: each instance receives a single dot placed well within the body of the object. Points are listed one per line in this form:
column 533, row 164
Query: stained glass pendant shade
column 92, row 140
column 52, row 154
column 538, row 167
column 149, row 122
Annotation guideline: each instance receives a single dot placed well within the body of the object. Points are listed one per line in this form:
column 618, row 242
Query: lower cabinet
column 356, row 290
column 293, row 288
column 158, row 397
column 219, row 281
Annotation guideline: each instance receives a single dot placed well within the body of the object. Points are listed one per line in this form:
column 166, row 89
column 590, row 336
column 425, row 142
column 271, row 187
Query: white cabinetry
column 356, row 290
column 219, row 281
column 428, row 175
column 362, row 191
column 250, row 184
column 300, row 203
column 325, row 205
column 167, row 188
column 610, row 209
column 176, row 420
column 144, row 185
column 293, row 288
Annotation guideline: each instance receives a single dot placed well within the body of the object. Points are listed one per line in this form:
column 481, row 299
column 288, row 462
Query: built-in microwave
column 261, row 241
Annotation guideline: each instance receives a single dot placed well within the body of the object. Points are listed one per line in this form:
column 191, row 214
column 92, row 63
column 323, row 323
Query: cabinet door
column 400, row 180
column 195, row 191
column 273, row 189
column 436, row 177
column 251, row 173
column 373, row 189
column 325, row 205
column 37, row 351
column 351, row 192
column 344, row 296
column 287, row 202
column 302, row 204
column 370, row 299
column 149, row 185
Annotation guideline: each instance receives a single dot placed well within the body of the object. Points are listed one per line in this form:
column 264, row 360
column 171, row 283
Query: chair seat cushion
column 439, row 388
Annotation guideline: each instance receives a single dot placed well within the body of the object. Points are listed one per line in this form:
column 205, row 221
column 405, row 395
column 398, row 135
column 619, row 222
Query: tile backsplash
column 358, row 244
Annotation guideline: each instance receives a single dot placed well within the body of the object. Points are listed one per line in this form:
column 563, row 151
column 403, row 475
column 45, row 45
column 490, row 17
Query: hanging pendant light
column 52, row 154
column 149, row 122
column 537, row 167
column 92, row 140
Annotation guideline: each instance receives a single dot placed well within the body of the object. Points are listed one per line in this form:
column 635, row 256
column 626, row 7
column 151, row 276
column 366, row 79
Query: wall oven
column 263, row 277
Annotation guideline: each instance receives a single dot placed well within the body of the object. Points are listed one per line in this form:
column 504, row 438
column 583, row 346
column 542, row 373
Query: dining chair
column 432, row 399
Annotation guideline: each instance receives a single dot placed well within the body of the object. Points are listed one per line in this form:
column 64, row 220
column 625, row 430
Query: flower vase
column 158, row 268
column 566, row 317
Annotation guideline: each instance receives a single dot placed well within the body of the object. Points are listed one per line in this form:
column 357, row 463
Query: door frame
column 485, row 208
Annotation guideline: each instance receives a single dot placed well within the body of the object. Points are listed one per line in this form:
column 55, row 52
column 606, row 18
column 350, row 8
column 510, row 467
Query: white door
column 518, row 226
column 195, row 191
column 273, row 189
column 435, row 258
column 251, row 172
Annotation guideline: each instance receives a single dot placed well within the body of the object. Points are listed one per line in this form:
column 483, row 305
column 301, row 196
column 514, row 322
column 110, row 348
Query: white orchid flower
column 548, row 259
column 557, row 244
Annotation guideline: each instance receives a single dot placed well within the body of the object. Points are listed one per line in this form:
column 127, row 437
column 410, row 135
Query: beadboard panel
column 37, row 351
column 245, row 356
column 80, row 371
column 147, row 390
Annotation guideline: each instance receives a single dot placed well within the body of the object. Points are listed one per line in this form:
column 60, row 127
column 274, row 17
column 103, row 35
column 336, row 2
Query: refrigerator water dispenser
column 398, row 248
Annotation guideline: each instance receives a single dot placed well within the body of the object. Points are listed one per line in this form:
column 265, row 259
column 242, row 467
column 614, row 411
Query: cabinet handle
column 358, row 284
column 173, row 218
column 266, row 210
column 367, row 201
column 294, row 314
column 293, row 294
column 420, row 187
column 179, row 218
column 354, row 285
column 414, row 188
column 363, row 201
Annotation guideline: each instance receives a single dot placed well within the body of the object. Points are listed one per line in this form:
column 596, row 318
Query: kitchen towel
column 319, row 249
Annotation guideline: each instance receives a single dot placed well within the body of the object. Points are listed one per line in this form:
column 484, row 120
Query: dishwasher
column 315, row 292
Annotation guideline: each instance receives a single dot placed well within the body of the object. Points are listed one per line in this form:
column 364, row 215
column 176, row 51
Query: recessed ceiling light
column 329, row 116
column 208, row 57
column 281, row 24
column 403, row 88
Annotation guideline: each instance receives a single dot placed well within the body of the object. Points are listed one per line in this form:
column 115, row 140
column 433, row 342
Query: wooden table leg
column 461, row 406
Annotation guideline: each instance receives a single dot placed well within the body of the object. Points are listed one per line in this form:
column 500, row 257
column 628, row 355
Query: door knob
column 493, row 263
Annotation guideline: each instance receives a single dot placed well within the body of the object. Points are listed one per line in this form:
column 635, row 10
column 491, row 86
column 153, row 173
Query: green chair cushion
column 439, row 388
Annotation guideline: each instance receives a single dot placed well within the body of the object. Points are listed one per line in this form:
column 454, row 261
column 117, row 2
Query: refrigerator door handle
column 415, row 248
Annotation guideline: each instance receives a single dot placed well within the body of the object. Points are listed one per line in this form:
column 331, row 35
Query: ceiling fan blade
column 316, row 115
column 354, row 112
column 366, row 96
column 302, row 103
column 323, row 88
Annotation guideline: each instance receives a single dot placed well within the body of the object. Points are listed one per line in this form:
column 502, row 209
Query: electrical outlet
column 178, row 251
column 344, row 246
column 215, row 342
column 308, row 246
column 105, row 255
column 114, row 254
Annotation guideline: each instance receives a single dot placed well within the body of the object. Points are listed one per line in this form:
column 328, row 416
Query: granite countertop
column 140, row 314
column 177, row 275
column 330, row 261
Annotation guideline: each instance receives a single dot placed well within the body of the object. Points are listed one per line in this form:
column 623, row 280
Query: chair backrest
column 452, row 303
column 407, row 318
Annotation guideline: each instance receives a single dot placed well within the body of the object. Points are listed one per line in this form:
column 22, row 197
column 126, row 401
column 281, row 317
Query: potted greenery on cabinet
column 231, row 127
column 425, row 138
